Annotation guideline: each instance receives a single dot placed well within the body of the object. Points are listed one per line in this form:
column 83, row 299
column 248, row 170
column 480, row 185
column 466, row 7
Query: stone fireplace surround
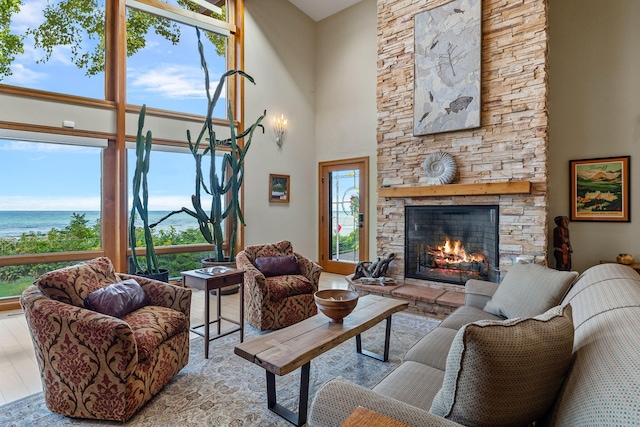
column 509, row 147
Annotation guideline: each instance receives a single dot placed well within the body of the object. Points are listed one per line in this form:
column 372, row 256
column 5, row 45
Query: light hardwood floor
column 19, row 376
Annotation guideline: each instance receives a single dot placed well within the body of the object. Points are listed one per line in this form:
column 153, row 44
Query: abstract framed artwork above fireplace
column 452, row 244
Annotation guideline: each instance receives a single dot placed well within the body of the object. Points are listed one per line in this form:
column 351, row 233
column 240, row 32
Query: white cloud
column 23, row 76
column 62, row 55
column 23, row 203
column 13, row 145
column 170, row 202
column 30, row 16
column 162, row 203
column 150, row 44
column 171, row 81
column 66, row 203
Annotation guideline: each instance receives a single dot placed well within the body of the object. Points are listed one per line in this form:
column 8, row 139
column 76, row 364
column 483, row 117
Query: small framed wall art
column 600, row 189
column 279, row 188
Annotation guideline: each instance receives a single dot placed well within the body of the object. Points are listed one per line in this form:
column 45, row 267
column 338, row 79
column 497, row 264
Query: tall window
column 171, row 184
column 166, row 72
column 49, row 202
column 60, row 189
column 57, row 46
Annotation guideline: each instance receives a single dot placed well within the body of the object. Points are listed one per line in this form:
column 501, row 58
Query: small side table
column 210, row 282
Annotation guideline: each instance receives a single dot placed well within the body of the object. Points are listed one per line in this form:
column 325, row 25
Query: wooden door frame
column 323, row 195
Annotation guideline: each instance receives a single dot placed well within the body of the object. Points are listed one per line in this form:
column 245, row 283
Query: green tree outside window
column 72, row 23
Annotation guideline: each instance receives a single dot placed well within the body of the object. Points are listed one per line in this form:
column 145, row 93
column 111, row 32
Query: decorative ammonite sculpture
column 439, row 168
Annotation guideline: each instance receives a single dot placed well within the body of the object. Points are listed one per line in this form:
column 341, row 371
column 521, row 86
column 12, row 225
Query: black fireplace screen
column 451, row 243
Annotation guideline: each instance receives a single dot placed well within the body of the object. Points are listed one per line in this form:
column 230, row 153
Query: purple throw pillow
column 278, row 265
column 117, row 299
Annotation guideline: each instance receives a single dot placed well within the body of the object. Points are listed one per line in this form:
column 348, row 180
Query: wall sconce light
column 279, row 128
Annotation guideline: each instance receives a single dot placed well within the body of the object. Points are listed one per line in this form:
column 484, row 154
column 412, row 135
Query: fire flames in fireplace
column 450, row 262
column 448, row 255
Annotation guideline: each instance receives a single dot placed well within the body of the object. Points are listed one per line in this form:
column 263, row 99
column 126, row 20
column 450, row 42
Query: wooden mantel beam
column 488, row 188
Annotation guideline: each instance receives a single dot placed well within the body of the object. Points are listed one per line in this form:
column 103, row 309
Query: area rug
column 226, row 390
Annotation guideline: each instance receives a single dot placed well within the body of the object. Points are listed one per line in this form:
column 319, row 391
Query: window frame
column 114, row 210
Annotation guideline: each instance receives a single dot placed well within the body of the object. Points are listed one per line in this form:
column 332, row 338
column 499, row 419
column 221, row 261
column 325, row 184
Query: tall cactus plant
column 224, row 183
column 140, row 204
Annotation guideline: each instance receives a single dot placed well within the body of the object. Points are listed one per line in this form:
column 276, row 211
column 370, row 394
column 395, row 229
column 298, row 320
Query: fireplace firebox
column 451, row 244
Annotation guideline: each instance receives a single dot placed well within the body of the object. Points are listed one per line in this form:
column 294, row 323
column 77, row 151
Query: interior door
column 344, row 213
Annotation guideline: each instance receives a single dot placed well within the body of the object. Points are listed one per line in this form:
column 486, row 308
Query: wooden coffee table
column 282, row 351
column 366, row 417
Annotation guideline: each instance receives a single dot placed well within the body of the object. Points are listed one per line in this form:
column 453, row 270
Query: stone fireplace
column 451, row 244
column 509, row 147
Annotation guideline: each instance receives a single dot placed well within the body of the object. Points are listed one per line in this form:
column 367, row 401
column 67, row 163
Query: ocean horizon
column 16, row 223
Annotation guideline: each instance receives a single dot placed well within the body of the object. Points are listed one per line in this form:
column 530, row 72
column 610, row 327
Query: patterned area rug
column 226, row 390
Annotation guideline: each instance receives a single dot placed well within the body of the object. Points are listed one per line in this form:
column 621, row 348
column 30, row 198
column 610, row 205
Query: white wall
column 594, row 112
column 346, row 75
column 280, row 56
column 27, row 110
column 322, row 77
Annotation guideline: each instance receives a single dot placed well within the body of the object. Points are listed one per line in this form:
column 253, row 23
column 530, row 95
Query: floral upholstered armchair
column 278, row 285
column 94, row 365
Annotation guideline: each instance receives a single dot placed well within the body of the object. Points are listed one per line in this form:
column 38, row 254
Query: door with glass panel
column 343, row 214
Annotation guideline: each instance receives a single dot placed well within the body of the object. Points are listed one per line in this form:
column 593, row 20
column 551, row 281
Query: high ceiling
column 320, row 9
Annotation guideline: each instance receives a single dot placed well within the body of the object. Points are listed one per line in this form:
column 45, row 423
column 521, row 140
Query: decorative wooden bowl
column 626, row 259
column 336, row 304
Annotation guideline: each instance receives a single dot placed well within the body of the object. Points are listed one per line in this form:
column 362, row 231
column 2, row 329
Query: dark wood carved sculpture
column 373, row 269
column 561, row 245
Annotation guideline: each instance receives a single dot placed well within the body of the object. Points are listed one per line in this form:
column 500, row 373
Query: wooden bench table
column 366, row 417
column 282, row 351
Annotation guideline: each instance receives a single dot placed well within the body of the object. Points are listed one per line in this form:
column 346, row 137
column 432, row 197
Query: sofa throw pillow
column 528, row 290
column 278, row 265
column 506, row 373
column 117, row 299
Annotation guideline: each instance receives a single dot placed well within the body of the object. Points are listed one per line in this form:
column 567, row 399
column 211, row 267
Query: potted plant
column 140, row 207
column 218, row 184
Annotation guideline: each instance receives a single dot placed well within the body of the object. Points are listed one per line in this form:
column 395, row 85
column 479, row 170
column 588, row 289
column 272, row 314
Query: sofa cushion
column 407, row 384
column 529, row 290
column 74, row 283
column 280, row 248
column 281, row 287
column 152, row 325
column 464, row 315
column 506, row 373
column 278, row 265
column 117, row 299
column 433, row 349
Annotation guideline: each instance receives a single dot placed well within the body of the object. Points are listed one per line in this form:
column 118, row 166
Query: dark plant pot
column 210, row 262
column 162, row 276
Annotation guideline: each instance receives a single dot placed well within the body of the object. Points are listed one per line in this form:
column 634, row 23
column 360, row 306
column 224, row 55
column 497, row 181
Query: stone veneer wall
column 510, row 145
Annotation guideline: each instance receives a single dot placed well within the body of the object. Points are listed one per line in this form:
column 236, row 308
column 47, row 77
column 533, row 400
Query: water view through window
column 50, row 197
column 49, row 202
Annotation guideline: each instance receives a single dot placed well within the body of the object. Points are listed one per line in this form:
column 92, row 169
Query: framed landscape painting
column 279, row 188
column 600, row 189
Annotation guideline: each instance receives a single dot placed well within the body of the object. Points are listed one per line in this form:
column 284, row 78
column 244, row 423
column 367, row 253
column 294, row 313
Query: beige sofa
column 599, row 385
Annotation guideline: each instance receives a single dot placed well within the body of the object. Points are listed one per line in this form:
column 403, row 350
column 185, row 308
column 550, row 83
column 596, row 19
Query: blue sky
column 39, row 176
